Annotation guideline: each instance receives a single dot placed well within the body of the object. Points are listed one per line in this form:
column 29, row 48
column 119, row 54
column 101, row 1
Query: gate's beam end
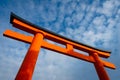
column 18, row 36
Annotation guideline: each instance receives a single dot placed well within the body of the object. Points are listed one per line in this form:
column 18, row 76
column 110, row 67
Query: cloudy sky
column 92, row 22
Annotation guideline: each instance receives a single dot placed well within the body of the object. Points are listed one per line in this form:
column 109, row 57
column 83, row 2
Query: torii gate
column 37, row 41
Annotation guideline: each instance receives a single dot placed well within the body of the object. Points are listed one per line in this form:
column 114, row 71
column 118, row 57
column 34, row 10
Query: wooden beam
column 47, row 45
column 18, row 36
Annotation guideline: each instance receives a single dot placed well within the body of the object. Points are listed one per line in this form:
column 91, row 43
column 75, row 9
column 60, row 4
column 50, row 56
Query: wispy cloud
column 95, row 23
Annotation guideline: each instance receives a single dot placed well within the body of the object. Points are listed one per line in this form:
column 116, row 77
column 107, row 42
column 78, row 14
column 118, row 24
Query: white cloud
column 99, row 21
column 87, row 23
column 54, row 64
column 109, row 7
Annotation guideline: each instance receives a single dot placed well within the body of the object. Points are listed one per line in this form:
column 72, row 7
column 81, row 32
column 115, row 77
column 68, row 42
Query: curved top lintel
column 14, row 16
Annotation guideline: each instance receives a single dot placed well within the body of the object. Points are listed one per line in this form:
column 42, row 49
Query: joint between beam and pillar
column 27, row 68
column 99, row 66
column 43, row 33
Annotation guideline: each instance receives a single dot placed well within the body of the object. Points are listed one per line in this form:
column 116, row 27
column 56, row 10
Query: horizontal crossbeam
column 53, row 47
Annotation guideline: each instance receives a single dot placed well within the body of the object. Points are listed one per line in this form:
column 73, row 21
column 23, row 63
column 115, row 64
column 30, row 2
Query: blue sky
column 92, row 22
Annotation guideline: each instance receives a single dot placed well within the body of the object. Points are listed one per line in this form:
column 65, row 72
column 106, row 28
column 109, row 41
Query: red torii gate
column 37, row 41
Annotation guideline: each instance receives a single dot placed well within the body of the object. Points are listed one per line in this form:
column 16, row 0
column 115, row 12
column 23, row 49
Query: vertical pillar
column 27, row 68
column 102, row 74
